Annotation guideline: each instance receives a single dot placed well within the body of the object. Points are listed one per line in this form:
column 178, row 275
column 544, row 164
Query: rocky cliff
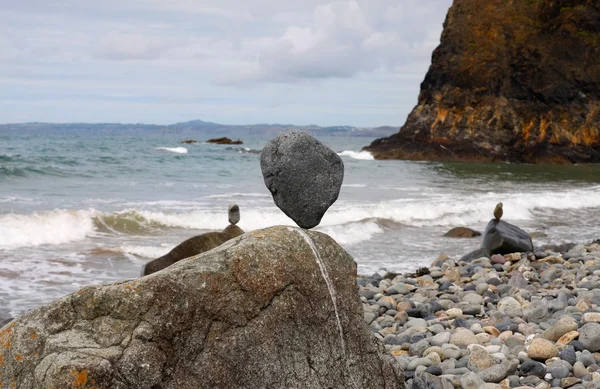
column 514, row 80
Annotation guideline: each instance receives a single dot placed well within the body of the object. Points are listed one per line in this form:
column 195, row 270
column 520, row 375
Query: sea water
column 81, row 207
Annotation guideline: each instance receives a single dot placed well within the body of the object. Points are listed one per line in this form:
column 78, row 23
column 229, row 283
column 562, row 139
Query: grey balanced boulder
column 275, row 308
column 303, row 175
column 502, row 238
column 234, row 214
column 190, row 247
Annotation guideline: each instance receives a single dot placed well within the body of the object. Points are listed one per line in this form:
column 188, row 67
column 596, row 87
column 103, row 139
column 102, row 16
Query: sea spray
column 178, row 150
column 363, row 155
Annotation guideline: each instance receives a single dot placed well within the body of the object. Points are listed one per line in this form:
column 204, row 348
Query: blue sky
column 357, row 62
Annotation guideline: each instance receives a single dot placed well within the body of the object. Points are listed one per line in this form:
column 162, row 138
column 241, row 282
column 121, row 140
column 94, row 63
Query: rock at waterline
column 261, row 311
column 234, row 214
column 481, row 252
column 193, row 246
column 462, row 232
column 303, row 175
column 501, row 237
column 224, row 141
column 188, row 142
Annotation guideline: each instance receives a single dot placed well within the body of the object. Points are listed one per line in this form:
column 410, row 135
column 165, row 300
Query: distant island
column 209, row 129
column 511, row 81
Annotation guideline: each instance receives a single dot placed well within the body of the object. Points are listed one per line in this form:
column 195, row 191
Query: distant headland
column 209, row 128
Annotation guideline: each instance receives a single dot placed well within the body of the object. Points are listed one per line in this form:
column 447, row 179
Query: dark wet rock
column 507, row 326
column 501, row 237
column 568, row 354
column 577, row 345
column 462, row 232
column 303, row 175
column 530, row 367
column 475, row 254
column 434, row 370
column 224, row 141
column 193, row 246
column 257, row 312
column 188, row 142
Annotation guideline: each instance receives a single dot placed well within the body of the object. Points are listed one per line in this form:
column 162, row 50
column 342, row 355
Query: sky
column 349, row 62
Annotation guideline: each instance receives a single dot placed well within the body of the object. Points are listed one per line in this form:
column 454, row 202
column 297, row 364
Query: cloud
column 342, row 39
column 128, row 46
column 358, row 62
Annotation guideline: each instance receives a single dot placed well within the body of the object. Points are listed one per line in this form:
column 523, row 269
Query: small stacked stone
column 515, row 320
column 234, row 214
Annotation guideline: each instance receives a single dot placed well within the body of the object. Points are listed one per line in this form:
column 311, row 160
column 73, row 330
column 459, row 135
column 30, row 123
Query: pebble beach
column 519, row 320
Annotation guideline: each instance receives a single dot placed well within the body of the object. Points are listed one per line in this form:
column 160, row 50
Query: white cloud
column 342, row 39
column 128, row 46
column 326, row 61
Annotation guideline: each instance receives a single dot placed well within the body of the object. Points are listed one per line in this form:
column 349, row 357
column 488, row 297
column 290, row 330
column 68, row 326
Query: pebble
column 530, row 367
column 542, row 349
column 533, row 321
column 463, row 337
column 589, row 336
column 480, row 358
column 559, row 369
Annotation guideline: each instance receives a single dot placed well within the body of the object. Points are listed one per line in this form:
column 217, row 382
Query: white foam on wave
column 453, row 209
column 145, row 251
column 363, row 155
column 352, row 233
column 51, row 227
column 348, row 222
column 178, row 150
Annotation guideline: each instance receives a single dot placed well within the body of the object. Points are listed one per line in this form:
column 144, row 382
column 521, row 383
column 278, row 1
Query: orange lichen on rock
column 5, row 337
column 80, row 378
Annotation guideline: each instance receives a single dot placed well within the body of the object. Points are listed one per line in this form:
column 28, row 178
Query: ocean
column 81, row 207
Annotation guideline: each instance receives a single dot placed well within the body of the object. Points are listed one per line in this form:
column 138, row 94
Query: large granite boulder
column 501, row 237
column 193, row 246
column 275, row 308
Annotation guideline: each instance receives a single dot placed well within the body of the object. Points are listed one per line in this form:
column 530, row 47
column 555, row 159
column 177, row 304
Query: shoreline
column 522, row 319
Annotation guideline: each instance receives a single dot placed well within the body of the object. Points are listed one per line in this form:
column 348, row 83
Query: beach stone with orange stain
column 252, row 313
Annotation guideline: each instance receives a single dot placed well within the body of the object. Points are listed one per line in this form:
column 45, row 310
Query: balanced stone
column 234, row 214
column 501, row 237
column 303, row 175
